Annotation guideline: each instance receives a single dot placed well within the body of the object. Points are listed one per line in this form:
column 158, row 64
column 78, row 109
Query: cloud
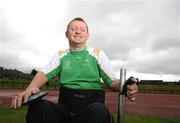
column 27, row 30
column 142, row 36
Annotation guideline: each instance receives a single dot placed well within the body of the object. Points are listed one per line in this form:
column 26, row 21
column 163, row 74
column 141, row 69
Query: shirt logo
column 67, row 65
column 85, row 62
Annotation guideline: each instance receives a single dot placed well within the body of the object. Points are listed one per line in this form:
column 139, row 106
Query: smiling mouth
column 77, row 36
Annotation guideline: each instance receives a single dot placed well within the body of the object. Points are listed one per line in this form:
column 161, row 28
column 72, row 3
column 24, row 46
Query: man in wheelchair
column 80, row 70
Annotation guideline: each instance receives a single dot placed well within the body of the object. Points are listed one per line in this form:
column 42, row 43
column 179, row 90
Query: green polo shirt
column 80, row 70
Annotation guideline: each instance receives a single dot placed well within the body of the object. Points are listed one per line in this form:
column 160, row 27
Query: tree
column 33, row 72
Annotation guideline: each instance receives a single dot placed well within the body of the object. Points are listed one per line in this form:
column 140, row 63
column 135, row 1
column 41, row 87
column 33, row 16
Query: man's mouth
column 78, row 36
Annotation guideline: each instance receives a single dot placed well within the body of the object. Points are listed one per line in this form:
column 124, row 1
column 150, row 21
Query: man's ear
column 66, row 33
column 88, row 36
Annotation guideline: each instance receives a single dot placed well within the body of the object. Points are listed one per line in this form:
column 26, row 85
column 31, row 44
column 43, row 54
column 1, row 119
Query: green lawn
column 150, row 119
column 13, row 116
column 18, row 116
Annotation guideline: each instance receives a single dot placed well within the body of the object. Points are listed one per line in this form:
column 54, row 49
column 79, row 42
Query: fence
column 170, row 88
column 22, row 84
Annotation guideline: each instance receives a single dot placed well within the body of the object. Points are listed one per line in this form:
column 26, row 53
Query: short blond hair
column 78, row 19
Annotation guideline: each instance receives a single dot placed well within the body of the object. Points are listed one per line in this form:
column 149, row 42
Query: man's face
column 77, row 32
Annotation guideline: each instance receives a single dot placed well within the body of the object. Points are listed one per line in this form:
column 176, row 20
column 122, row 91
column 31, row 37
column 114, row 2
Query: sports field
column 148, row 108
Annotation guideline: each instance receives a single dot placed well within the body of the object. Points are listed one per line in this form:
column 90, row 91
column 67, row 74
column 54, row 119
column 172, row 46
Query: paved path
column 150, row 104
column 145, row 104
column 156, row 104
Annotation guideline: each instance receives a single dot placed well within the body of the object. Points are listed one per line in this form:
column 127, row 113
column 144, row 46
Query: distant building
column 151, row 82
column 10, row 74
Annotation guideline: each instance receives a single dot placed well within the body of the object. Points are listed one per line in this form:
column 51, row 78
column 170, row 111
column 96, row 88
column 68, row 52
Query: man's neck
column 77, row 48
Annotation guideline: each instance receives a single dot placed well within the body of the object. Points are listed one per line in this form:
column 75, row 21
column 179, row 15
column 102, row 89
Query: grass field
column 13, row 116
column 18, row 116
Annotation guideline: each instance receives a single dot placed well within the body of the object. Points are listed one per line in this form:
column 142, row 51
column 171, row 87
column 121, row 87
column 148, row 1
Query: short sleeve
column 106, row 71
column 51, row 70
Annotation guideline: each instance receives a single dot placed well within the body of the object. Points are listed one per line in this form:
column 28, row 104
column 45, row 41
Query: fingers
column 17, row 100
column 20, row 99
column 14, row 102
column 132, row 87
column 23, row 97
column 132, row 98
column 26, row 97
column 131, row 92
column 28, row 93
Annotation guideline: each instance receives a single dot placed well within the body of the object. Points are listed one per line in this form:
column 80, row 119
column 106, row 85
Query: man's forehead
column 76, row 23
column 79, row 23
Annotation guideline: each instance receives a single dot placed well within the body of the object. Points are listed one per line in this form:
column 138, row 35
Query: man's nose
column 78, row 31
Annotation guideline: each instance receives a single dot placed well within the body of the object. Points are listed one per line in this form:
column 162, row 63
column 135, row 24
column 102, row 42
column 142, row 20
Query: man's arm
column 114, row 85
column 38, row 81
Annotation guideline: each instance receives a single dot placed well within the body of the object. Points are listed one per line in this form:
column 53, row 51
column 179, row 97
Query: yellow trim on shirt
column 96, row 51
column 61, row 53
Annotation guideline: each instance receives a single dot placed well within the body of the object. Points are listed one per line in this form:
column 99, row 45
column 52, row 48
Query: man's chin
column 78, row 42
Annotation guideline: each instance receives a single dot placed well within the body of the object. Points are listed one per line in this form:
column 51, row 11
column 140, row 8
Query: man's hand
column 131, row 91
column 130, row 88
column 38, row 81
column 23, row 97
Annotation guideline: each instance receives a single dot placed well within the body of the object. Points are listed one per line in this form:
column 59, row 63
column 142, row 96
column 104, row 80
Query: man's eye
column 72, row 29
column 83, row 30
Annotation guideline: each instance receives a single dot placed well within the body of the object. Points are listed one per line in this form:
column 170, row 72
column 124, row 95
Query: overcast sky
column 140, row 35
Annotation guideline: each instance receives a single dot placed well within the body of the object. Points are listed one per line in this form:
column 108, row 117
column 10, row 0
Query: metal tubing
column 121, row 97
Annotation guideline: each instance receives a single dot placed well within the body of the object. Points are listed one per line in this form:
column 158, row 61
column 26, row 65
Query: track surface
column 167, row 105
